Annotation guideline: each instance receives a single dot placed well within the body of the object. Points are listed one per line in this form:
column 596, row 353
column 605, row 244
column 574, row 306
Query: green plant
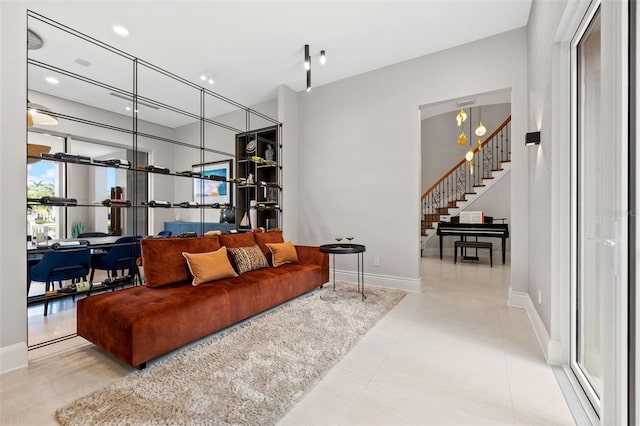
column 76, row 229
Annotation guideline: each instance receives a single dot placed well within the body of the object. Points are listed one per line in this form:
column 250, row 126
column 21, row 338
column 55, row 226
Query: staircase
column 460, row 186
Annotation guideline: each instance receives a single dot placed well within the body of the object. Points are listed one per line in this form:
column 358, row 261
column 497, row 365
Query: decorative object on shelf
column 244, row 223
column 189, row 173
column 53, row 201
column 115, row 162
column 272, row 194
column 269, row 152
column 156, row 169
column 116, row 202
column 251, row 146
column 250, row 179
column 66, row 157
column 214, row 187
column 228, row 215
column 188, row 205
column 253, row 213
column 159, row 203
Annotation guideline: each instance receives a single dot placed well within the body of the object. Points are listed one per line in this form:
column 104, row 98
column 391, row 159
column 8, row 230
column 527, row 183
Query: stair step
column 497, row 170
column 470, row 193
column 443, row 210
column 479, row 186
column 505, row 161
column 452, row 204
column 488, row 177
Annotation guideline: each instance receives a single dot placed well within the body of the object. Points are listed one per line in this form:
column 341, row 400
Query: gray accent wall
column 542, row 28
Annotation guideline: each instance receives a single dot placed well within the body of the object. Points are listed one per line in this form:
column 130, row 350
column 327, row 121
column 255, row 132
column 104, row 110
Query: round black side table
column 357, row 249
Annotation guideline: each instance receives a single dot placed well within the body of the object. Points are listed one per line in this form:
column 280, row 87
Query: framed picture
column 213, row 191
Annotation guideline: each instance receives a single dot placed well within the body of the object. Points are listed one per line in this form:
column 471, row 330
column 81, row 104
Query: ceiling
column 250, row 47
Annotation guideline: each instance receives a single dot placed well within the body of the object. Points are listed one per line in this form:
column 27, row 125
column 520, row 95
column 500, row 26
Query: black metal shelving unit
column 130, row 82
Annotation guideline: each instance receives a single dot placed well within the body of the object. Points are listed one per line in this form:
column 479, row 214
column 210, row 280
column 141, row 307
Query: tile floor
column 454, row 355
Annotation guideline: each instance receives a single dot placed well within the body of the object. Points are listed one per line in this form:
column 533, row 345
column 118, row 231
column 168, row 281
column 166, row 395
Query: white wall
column 544, row 20
column 13, row 181
column 360, row 153
column 439, row 136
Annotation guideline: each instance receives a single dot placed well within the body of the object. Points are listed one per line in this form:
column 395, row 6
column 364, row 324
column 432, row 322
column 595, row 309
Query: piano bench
column 472, row 244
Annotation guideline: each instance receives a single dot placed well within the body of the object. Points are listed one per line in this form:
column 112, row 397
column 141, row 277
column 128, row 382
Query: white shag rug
column 250, row 375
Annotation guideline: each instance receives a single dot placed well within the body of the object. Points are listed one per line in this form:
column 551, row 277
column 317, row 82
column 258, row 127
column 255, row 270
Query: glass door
column 600, row 188
column 593, row 179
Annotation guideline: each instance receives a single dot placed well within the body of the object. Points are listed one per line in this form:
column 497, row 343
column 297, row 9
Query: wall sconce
column 532, row 138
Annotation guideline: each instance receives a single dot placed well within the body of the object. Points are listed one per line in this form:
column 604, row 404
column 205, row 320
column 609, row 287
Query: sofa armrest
column 312, row 255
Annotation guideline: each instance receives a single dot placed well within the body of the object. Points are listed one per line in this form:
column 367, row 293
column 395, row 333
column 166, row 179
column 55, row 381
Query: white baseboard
column 13, row 357
column 552, row 349
column 409, row 285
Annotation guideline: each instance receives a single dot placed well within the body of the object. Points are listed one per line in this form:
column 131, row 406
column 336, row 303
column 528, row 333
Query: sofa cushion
column 264, row 238
column 283, row 253
column 210, row 266
column 237, row 240
column 248, row 258
column 163, row 260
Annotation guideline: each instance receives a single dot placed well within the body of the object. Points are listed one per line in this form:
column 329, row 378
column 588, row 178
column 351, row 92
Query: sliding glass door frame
column 610, row 398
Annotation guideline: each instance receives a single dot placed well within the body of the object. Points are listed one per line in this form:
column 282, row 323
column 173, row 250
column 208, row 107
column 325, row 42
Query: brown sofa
column 140, row 323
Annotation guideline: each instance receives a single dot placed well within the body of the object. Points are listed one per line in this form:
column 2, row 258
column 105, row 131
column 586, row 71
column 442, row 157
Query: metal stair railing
column 460, row 181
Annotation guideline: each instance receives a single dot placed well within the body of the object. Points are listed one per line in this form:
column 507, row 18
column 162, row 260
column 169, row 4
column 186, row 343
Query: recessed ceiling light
column 52, row 80
column 120, row 30
column 203, row 77
column 128, row 108
column 210, row 81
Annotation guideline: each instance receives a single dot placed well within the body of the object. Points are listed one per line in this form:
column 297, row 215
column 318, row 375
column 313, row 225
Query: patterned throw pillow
column 248, row 258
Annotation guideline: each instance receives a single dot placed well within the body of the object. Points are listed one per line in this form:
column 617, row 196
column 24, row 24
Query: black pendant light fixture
column 307, row 63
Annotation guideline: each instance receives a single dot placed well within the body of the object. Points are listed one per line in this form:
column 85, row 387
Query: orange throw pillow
column 283, row 253
column 210, row 266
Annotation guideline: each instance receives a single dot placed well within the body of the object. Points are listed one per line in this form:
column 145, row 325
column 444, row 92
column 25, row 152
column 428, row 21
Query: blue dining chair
column 122, row 256
column 60, row 265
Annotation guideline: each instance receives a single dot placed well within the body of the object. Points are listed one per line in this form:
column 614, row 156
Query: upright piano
column 463, row 230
